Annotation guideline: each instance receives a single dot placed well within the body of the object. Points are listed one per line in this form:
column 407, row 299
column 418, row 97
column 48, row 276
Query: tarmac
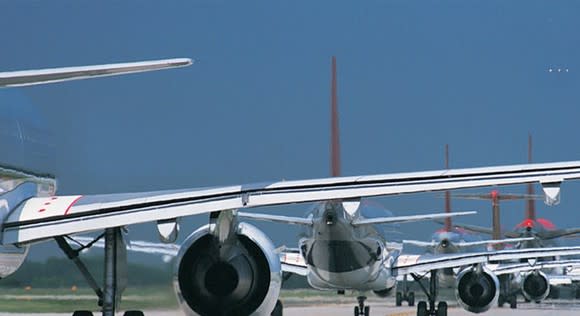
column 548, row 308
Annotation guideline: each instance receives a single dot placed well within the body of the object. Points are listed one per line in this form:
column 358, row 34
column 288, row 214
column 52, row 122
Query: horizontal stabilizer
column 276, row 218
column 407, row 219
column 43, row 76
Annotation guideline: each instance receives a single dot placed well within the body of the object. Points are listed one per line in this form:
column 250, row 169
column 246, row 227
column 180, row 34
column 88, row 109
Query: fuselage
column 343, row 256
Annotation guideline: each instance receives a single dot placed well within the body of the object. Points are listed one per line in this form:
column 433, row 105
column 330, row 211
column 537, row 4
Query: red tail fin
column 335, row 141
column 447, row 193
column 530, row 203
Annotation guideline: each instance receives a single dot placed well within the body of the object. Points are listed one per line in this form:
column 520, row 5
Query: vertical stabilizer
column 335, row 140
column 447, row 193
column 496, row 220
column 530, row 202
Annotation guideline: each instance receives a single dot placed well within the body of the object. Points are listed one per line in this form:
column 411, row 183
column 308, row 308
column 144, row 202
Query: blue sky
column 413, row 75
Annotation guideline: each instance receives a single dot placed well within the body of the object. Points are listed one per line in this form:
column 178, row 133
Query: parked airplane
column 229, row 266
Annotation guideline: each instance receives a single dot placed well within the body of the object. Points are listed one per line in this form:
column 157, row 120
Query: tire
column 513, row 302
column 500, row 301
column 411, row 299
column 367, row 310
column 133, row 313
column 82, row 313
column 356, row 313
column 442, row 308
column 422, row 308
column 554, row 292
column 398, row 299
column 278, row 309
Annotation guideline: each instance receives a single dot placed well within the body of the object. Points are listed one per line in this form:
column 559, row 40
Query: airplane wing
column 133, row 245
column 532, row 265
column 44, row 217
column 43, row 76
column 293, row 262
column 493, row 241
column 464, row 244
column 471, row 228
column 406, row 264
column 357, row 222
column 551, row 234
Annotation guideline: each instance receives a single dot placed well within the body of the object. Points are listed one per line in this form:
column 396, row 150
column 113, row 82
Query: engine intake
column 239, row 277
column 535, row 286
column 477, row 289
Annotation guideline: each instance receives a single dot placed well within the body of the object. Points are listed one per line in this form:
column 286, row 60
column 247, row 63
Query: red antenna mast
column 335, row 141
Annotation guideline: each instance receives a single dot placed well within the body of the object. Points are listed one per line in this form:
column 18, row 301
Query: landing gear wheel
column 277, row 309
column 442, row 309
column 500, row 301
column 422, row 308
column 513, row 302
column 554, row 292
column 411, row 299
column 82, row 313
column 361, row 309
column 133, row 313
column 398, row 299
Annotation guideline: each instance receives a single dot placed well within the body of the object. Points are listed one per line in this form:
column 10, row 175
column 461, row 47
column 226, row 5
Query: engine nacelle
column 477, row 289
column 241, row 276
column 11, row 258
column 535, row 286
column 384, row 293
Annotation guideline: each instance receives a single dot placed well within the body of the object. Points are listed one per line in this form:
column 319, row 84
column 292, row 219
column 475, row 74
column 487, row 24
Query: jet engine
column 477, row 289
column 535, row 286
column 240, row 276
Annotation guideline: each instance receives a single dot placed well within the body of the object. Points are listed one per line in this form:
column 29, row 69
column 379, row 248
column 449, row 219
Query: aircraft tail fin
column 43, row 76
column 334, row 133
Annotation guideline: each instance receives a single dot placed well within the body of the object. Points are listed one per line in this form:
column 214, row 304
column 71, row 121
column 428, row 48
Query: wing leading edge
column 74, row 214
column 42, row 76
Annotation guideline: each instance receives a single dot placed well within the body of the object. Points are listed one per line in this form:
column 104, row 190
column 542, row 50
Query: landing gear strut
column 114, row 257
column 405, row 295
column 506, row 294
column 361, row 309
column 430, row 310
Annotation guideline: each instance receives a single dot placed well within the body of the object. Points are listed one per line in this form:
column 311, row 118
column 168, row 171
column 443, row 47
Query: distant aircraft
column 449, row 239
column 229, row 266
column 540, row 232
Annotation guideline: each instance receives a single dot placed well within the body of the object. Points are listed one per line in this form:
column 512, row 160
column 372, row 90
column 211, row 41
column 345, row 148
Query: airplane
column 539, row 232
column 449, row 239
column 229, row 266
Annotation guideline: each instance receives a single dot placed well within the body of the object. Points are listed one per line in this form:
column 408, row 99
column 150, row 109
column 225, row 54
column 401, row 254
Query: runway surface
column 551, row 308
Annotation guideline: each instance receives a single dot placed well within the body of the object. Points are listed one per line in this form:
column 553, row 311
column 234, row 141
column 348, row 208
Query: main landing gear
column 114, row 257
column 429, row 310
column 405, row 295
column 506, row 294
column 361, row 309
